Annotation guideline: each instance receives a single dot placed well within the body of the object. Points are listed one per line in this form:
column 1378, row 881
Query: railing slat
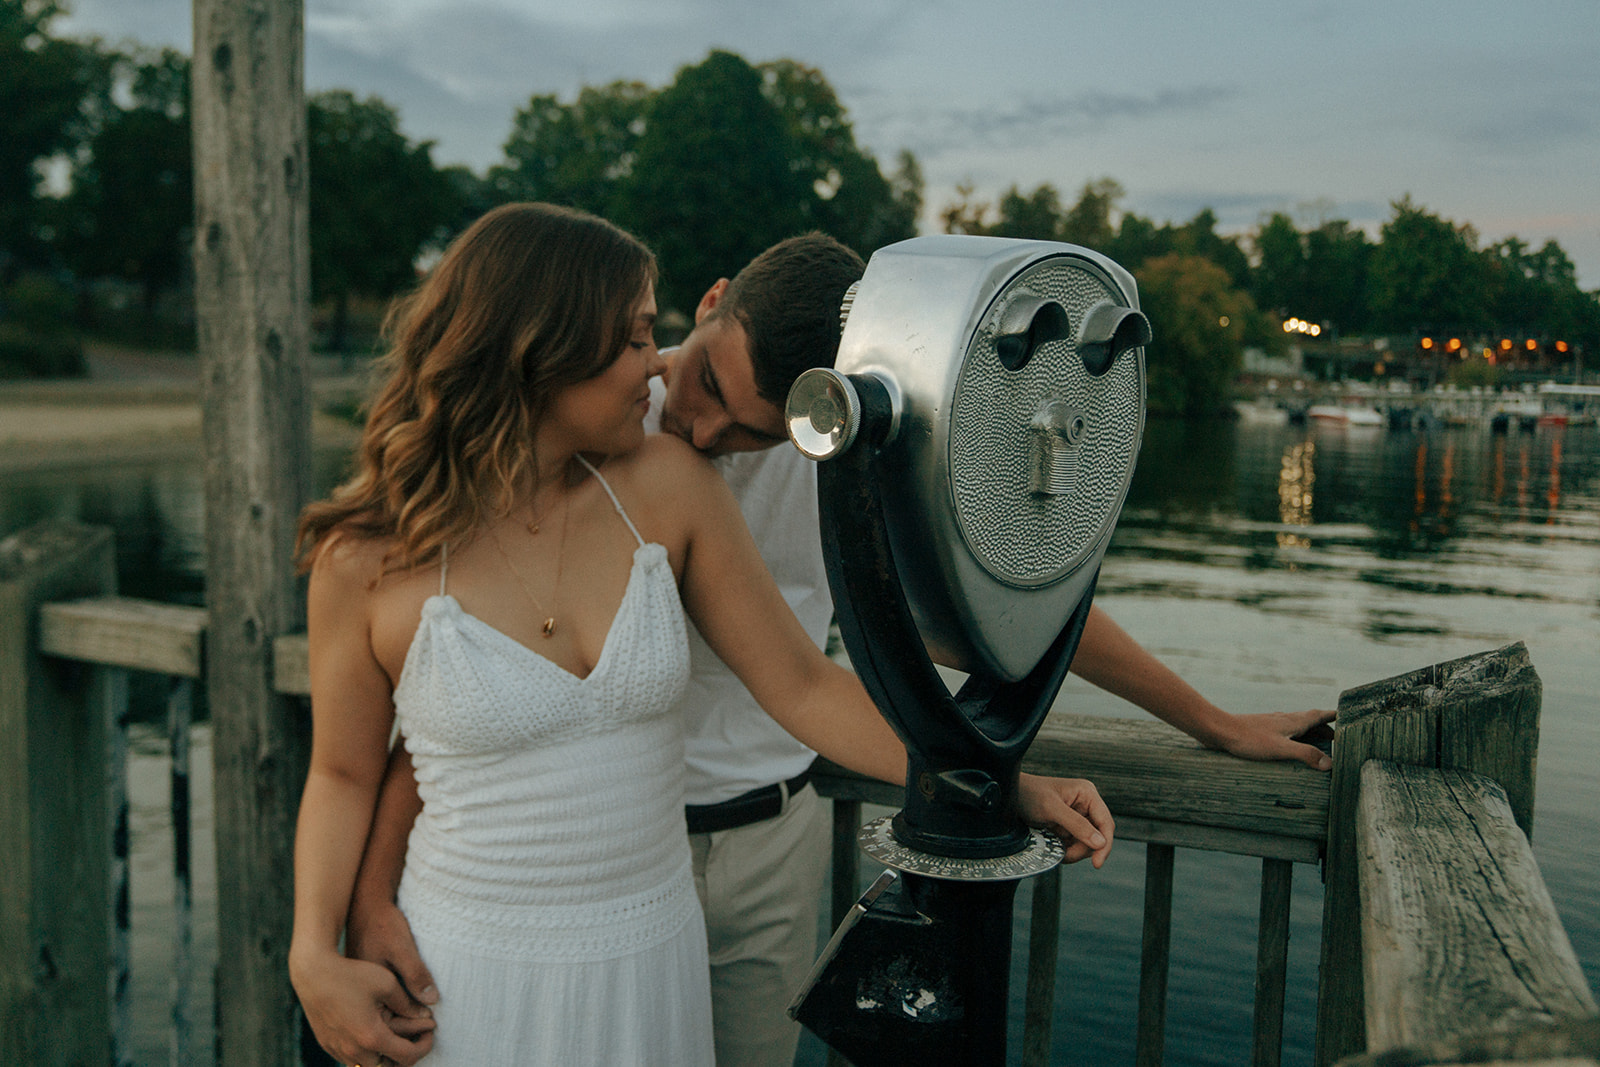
column 291, row 665
column 121, row 895
column 55, row 816
column 1044, row 937
column 1154, row 956
column 124, row 632
column 1272, row 961
column 180, row 715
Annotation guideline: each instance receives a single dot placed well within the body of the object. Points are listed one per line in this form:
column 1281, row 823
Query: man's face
column 712, row 401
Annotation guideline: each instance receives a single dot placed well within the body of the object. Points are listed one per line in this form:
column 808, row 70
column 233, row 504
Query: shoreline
column 138, row 407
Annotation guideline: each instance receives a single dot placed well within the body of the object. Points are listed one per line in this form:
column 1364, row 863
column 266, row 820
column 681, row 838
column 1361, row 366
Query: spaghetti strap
column 614, row 501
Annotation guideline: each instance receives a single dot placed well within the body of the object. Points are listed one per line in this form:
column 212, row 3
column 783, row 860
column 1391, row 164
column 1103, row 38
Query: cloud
column 933, row 131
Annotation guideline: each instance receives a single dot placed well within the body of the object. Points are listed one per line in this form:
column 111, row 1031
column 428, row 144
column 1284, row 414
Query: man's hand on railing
column 1109, row 658
column 1279, row 735
column 1073, row 809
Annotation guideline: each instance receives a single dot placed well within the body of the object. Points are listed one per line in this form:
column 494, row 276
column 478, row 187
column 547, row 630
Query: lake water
column 1273, row 567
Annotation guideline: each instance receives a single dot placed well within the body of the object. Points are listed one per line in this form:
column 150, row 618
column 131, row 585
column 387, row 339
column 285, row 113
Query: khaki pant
column 761, row 887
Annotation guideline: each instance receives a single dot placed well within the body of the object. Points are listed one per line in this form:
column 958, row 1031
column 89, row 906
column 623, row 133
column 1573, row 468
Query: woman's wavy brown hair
column 528, row 300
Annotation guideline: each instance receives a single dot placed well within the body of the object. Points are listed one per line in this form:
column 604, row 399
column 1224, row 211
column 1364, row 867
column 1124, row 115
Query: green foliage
column 36, row 301
column 711, row 169
column 377, row 202
column 1040, row 216
column 130, row 211
column 712, row 183
column 1279, row 281
column 1198, row 321
column 851, row 199
column 575, row 154
column 1427, row 274
column 50, row 88
column 1319, row 276
column 1088, row 222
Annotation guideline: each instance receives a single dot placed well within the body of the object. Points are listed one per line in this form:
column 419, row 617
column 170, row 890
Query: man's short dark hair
column 787, row 299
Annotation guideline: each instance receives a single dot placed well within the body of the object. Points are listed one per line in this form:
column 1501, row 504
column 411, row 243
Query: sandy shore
column 133, row 406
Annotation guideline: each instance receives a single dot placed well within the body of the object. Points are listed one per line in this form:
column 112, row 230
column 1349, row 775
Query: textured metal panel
column 1021, row 536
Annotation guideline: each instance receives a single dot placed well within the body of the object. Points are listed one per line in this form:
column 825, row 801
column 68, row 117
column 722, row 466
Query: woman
column 503, row 577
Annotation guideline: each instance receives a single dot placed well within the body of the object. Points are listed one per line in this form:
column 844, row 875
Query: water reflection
column 157, row 509
column 1296, row 478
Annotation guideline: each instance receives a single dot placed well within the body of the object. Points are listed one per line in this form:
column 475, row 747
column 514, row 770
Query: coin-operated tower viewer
column 977, row 436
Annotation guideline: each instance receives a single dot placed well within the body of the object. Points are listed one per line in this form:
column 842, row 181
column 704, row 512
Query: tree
column 965, row 215
column 1039, row 215
column 576, row 154
column 377, row 202
column 131, row 208
column 1338, row 264
column 1138, row 240
column 1536, row 294
column 1035, row 217
column 1426, row 273
column 1279, row 279
column 48, row 90
column 1088, row 222
column 712, row 182
column 851, row 199
column 1199, row 237
column 1198, row 320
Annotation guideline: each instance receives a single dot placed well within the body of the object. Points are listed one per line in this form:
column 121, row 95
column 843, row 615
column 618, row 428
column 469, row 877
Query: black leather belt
column 754, row 806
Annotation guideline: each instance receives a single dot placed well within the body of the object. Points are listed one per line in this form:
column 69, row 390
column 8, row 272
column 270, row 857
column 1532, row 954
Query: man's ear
column 709, row 301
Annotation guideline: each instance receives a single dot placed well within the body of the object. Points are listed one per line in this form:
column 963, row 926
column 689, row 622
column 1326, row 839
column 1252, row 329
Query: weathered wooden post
column 55, row 817
column 1478, row 713
column 252, row 270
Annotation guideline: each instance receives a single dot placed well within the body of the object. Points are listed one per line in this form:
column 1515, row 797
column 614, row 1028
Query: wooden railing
column 1421, row 829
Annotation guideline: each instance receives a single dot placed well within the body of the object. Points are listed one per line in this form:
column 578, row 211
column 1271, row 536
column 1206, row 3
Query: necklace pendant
column 549, row 626
column 533, row 527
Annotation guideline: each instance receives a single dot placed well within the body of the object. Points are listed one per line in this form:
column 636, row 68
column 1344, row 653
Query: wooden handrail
column 1163, row 786
column 1457, row 926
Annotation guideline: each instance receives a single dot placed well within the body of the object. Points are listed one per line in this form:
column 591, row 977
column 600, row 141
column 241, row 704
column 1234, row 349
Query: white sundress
column 547, row 879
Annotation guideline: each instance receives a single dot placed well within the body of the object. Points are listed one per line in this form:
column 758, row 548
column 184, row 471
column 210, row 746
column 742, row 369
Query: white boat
column 1345, row 414
column 1260, row 413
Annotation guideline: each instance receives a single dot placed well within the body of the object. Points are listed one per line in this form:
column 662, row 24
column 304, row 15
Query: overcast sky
column 1484, row 111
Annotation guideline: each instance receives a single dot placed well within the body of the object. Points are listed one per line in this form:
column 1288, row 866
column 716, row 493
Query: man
column 758, row 832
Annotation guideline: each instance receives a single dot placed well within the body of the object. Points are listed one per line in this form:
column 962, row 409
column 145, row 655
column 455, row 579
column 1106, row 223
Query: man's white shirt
column 731, row 745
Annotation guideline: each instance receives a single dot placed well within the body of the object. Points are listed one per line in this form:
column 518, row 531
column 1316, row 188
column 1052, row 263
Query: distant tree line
column 96, row 198
column 1210, row 296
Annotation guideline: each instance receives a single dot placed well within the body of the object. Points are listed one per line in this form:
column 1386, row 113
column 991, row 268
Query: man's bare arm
column 375, row 929
column 1109, row 658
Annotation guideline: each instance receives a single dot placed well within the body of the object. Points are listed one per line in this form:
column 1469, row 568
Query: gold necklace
column 549, row 627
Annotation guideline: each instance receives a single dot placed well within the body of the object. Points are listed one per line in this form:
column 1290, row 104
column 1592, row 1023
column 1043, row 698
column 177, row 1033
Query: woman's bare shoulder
column 348, row 559
column 662, row 465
